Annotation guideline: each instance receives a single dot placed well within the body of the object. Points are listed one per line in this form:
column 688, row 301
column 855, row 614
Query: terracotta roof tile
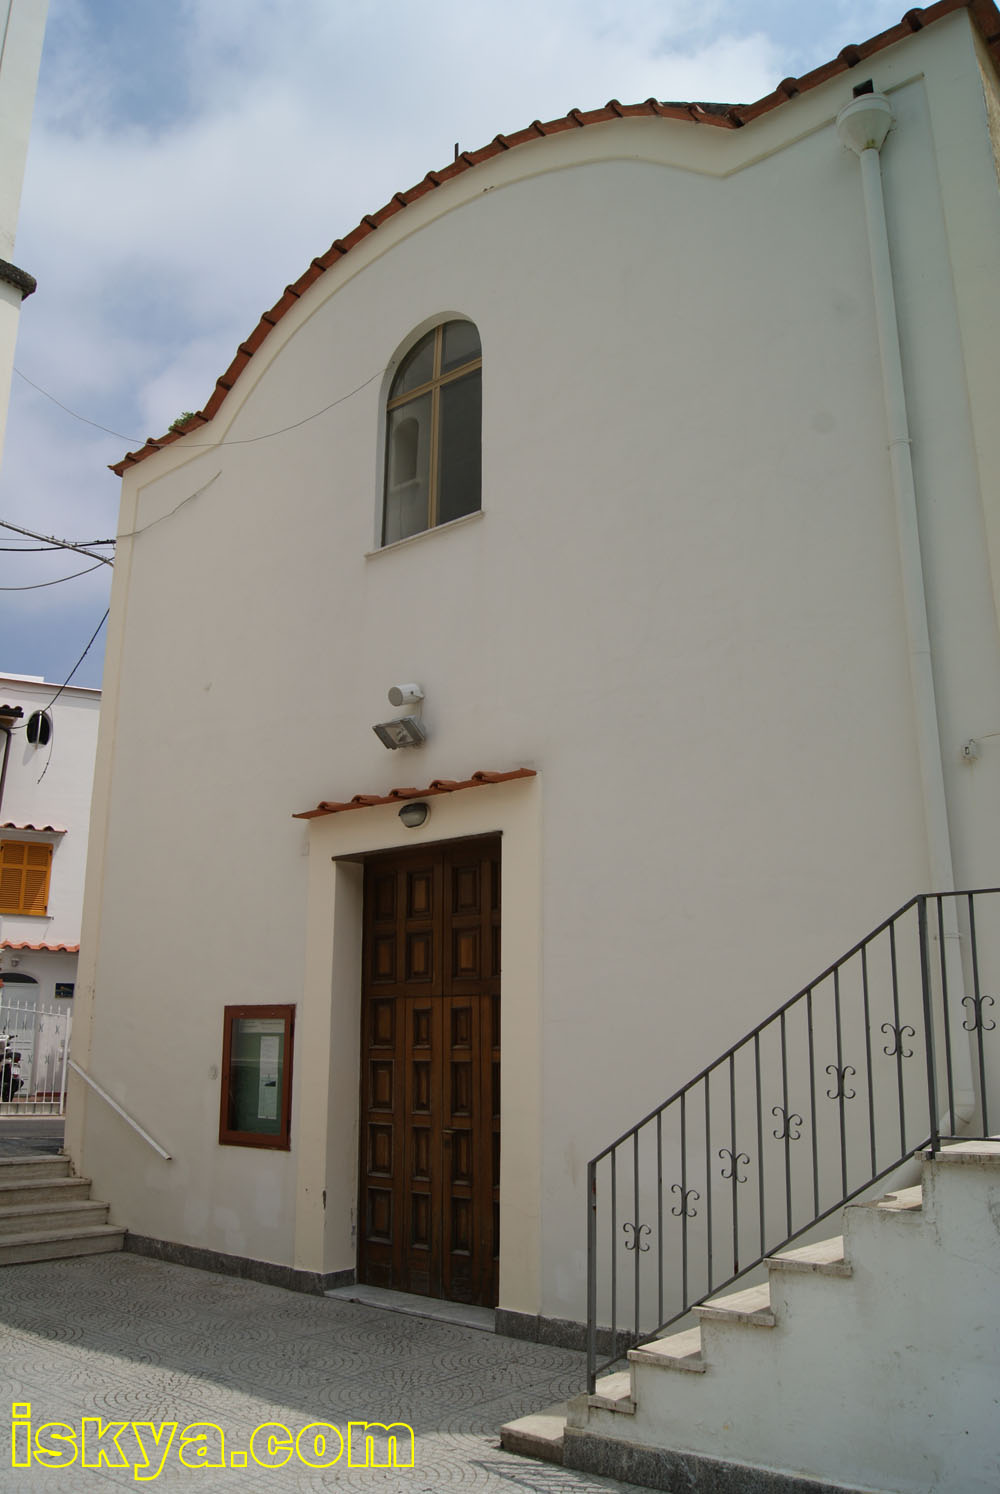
column 28, row 825
column 984, row 14
column 50, row 948
column 397, row 795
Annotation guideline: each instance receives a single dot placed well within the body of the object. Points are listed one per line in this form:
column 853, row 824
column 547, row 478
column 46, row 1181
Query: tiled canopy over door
column 430, row 1066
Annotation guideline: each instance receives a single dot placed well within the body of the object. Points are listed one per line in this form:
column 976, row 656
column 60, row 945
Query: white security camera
column 405, row 695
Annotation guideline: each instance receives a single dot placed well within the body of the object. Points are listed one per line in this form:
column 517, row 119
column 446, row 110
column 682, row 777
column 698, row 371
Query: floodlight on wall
column 406, row 732
column 415, row 814
column 408, row 695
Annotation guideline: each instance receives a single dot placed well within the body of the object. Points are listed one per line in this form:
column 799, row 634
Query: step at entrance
column 895, row 1323
column 46, row 1213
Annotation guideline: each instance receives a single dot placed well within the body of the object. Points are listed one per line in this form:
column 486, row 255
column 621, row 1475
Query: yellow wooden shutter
column 24, row 877
column 35, row 896
column 10, row 881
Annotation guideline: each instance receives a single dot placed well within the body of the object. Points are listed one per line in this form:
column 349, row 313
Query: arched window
column 433, row 437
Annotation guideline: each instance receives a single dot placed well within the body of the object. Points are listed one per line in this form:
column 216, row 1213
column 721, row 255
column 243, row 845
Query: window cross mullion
column 446, row 378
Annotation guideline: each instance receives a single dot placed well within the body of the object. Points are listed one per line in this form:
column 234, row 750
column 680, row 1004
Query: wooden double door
column 429, row 1216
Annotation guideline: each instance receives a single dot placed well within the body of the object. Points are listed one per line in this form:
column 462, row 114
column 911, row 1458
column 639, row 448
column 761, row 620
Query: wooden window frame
column 433, row 387
column 228, row 1134
column 21, row 911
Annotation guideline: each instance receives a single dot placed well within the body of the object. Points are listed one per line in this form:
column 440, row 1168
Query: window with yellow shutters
column 24, row 876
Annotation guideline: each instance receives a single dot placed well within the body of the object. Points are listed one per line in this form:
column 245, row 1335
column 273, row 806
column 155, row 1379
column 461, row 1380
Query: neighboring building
column 22, row 28
column 684, row 745
column 44, row 823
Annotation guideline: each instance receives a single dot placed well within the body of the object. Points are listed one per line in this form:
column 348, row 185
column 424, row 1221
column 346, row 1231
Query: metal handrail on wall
column 862, row 1068
column 109, row 1100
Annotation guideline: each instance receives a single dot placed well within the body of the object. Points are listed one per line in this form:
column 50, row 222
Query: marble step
column 42, row 1190
column 47, row 1245
column 16, row 1169
column 37, row 1218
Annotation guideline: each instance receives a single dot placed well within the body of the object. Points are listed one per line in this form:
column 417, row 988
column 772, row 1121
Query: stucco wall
column 51, row 784
column 681, row 605
column 22, row 27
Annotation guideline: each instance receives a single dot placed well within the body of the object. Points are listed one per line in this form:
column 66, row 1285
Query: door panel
column 430, row 1063
column 421, row 1184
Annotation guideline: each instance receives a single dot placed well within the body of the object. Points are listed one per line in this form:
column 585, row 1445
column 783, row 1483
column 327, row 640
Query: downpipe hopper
column 864, row 123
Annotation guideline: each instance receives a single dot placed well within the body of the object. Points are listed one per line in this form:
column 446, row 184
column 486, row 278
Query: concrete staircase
column 866, row 1362
column 45, row 1213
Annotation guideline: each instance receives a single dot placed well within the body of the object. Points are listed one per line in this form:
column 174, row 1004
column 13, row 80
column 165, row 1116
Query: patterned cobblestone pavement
column 125, row 1338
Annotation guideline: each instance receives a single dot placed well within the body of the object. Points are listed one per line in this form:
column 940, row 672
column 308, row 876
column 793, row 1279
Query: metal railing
column 882, row 1055
column 119, row 1110
column 34, row 1052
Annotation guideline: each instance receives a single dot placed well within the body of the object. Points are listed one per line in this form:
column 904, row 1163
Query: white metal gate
column 34, row 1054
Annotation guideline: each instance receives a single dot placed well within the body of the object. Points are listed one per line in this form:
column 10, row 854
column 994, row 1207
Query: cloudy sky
column 188, row 160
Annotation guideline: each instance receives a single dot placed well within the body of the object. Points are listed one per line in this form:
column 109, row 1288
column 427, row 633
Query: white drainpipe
column 862, row 126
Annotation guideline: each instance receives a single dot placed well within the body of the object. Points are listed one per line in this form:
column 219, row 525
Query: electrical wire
column 106, row 429
column 58, row 582
column 81, row 546
column 267, row 435
column 76, row 666
column 60, row 544
column 130, row 533
column 207, row 445
column 103, row 560
column 48, row 760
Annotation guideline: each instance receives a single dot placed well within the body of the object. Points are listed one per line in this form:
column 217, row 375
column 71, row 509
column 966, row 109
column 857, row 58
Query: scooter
column 10, row 1068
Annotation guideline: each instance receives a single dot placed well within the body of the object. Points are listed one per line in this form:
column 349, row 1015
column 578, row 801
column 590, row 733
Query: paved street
column 31, row 1136
column 127, row 1338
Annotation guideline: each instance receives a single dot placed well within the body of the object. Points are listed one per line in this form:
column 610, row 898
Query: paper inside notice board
column 267, row 1093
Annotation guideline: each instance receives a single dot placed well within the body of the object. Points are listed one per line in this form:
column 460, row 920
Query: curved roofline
column 984, row 14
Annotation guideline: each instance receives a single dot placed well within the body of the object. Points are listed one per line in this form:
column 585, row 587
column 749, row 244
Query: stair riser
column 17, row 1171
column 791, row 1291
column 545, row 1449
column 44, row 1193
column 719, row 1339
column 49, row 1250
column 871, row 1233
column 609, row 1423
column 84, row 1214
column 963, row 1204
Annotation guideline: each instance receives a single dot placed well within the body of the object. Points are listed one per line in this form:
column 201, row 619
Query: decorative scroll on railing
column 884, row 1054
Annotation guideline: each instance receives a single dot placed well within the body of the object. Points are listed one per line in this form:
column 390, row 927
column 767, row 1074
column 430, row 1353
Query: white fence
column 34, row 1040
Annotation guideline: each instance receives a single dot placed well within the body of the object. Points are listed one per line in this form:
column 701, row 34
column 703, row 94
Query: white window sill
column 412, row 539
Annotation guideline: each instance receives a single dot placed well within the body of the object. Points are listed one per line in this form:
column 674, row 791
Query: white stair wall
column 871, row 1362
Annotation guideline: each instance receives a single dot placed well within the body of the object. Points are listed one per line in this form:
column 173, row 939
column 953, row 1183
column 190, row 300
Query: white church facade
column 594, row 449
